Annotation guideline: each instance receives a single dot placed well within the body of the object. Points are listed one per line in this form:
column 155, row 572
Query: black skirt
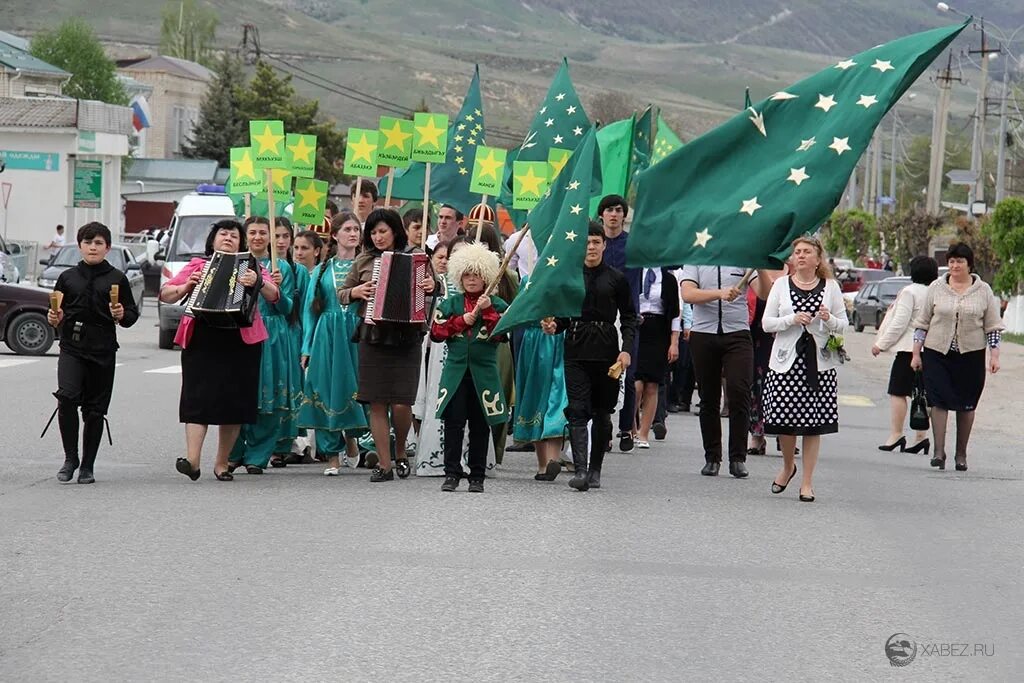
column 220, row 378
column 655, row 335
column 389, row 374
column 901, row 376
column 953, row 381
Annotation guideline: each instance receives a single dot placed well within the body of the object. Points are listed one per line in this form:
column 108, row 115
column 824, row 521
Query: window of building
column 182, row 123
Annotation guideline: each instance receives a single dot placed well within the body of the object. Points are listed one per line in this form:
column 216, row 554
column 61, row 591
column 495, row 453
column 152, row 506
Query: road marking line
column 11, row 362
column 854, row 401
column 169, row 370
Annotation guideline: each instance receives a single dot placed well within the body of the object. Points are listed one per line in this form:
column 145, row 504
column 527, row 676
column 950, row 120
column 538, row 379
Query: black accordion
column 220, row 300
column 398, row 297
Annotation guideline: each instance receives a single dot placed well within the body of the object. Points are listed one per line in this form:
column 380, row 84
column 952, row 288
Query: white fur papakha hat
column 473, row 258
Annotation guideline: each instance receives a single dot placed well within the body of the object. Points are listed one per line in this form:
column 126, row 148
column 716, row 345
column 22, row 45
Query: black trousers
column 591, row 392
column 88, row 385
column 464, row 407
column 683, row 380
column 731, row 355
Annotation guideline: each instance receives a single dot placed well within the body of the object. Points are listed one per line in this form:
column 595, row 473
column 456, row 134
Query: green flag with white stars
column 559, row 229
column 449, row 181
column 665, row 142
column 559, row 122
column 640, row 158
column 741, row 193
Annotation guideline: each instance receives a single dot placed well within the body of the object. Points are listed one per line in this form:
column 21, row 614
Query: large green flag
column 615, row 142
column 739, row 194
column 449, row 182
column 665, row 142
column 559, row 228
column 560, row 122
column 640, row 158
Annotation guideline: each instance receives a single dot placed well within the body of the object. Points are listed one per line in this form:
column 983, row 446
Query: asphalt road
column 662, row 575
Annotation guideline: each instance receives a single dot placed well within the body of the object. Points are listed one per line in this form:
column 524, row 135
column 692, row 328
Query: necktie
column 649, row 279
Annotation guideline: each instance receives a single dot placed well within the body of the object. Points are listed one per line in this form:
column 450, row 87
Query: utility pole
column 977, row 194
column 892, row 166
column 1001, row 163
column 876, row 174
column 940, row 122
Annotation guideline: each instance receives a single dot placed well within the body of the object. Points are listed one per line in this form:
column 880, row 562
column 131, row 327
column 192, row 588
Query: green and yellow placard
column 394, row 144
column 529, row 183
column 361, row 152
column 310, row 201
column 282, row 179
column 267, row 141
column 430, row 137
column 244, row 178
column 300, row 154
column 488, row 167
column 557, row 158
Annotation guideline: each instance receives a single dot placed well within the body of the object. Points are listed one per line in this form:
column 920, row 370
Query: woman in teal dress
column 286, row 452
column 330, row 356
column 541, row 398
column 280, row 378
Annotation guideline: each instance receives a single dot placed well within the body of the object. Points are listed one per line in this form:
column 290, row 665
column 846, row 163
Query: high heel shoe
column 756, row 450
column 922, row 445
column 939, row 462
column 960, row 465
column 777, row 488
column 900, row 443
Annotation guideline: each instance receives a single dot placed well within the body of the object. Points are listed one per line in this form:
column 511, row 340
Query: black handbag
column 919, row 405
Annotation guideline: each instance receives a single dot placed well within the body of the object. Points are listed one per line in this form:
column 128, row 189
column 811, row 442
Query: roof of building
column 173, row 170
column 172, row 65
column 14, row 57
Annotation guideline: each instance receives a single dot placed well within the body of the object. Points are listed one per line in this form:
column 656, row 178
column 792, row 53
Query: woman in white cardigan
column 804, row 310
column 897, row 334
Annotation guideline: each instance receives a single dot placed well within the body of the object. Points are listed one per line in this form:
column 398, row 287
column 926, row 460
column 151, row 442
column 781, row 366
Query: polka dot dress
column 790, row 405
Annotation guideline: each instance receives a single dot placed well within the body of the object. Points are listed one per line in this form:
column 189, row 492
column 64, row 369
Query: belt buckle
column 76, row 332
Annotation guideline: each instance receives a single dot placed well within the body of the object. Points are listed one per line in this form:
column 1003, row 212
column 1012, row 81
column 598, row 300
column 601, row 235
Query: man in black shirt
column 87, row 322
column 591, row 349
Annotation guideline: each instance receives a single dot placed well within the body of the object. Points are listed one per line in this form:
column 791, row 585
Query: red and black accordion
column 398, row 297
column 220, row 300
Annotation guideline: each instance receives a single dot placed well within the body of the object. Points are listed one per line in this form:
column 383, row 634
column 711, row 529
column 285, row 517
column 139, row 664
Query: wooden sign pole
column 426, row 207
column 272, row 219
column 508, row 258
column 480, row 217
column 247, row 198
column 391, row 181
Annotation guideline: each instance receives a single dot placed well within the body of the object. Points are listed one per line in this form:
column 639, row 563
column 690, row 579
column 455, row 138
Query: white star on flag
column 882, row 66
column 560, row 96
column 571, row 236
column 846, row 64
column 840, row 145
column 575, row 210
column 557, row 139
column 750, row 206
column 867, row 100
column 574, row 185
column 552, row 261
column 549, row 123
column 806, row 145
column 703, row 237
column 528, row 283
column 798, row 175
column 577, row 131
column 825, row 102
column 570, row 110
column 462, row 126
column 543, row 110
column 783, row 95
column 758, row 120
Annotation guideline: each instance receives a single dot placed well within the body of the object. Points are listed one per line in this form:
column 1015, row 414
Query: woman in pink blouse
column 219, row 367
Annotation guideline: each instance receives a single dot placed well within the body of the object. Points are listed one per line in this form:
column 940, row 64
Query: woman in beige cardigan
column 897, row 334
column 960, row 318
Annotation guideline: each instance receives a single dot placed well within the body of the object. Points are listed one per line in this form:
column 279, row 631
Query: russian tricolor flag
column 140, row 113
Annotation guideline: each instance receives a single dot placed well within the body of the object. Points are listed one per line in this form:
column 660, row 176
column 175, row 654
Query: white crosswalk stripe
column 12, row 362
column 169, row 370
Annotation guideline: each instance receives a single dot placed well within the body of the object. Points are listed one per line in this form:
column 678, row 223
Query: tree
column 850, row 234
column 270, row 96
column 188, row 31
column 222, row 124
column 73, row 46
column 908, row 234
column 1005, row 229
column 609, row 106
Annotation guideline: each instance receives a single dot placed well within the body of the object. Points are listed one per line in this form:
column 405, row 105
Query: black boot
column 67, row 421
column 68, row 470
column 454, row 433
column 578, row 442
column 92, row 433
column 600, row 433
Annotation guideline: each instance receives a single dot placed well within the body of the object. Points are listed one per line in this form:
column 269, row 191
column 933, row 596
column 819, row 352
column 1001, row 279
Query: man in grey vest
column 722, row 349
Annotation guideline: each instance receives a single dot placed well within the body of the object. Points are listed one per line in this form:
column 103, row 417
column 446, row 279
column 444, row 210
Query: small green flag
column 361, row 152
column 530, row 181
column 394, row 142
column 487, row 167
column 282, row 180
column 267, row 141
column 559, row 226
column 310, row 201
column 430, row 137
column 741, row 193
column 665, row 142
column 615, row 141
column 244, row 178
column 640, row 159
column 300, row 153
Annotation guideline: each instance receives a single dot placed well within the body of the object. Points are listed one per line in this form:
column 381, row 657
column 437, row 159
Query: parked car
column 9, row 271
column 873, row 300
column 23, row 325
column 120, row 256
column 855, row 278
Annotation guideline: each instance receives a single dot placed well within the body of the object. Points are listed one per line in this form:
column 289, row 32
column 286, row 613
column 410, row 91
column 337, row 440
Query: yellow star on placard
column 300, row 150
column 309, row 196
column 552, row 261
column 396, row 137
column 558, row 164
column 703, row 237
column 750, row 206
column 430, row 134
column 362, row 149
column 279, row 176
column 267, row 140
column 244, row 167
column 530, row 183
column 489, row 166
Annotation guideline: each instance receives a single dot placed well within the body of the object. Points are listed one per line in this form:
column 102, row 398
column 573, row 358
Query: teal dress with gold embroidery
column 541, row 398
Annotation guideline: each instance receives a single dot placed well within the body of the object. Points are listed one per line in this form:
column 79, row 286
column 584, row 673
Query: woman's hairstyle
column 340, row 219
column 489, row 238
column 314, row 239
column 282, row 222
column 256, row 219
column 474, row 258
column 226, row 224
column 961, row 250
column 393, row 221
column 822, row 271
column 923, row 270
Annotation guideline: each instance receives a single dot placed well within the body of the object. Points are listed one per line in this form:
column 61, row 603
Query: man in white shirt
column 57, row 242
column 449, row 222
column 525, row 256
